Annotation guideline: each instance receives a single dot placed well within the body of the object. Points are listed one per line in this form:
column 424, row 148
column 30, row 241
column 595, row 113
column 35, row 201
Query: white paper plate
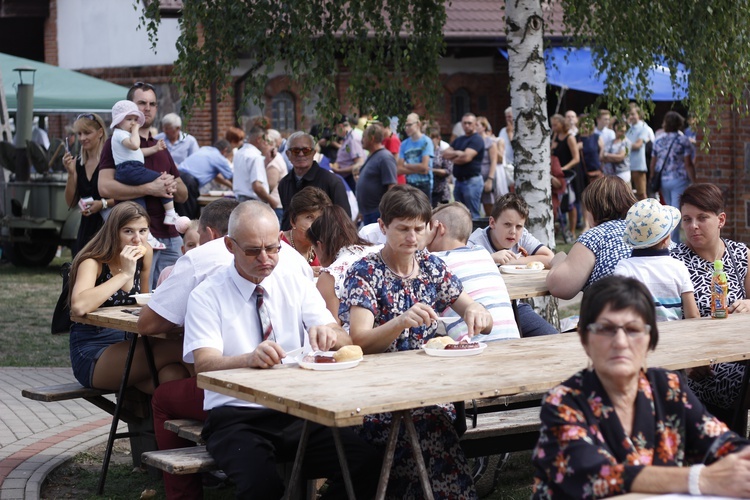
column 228, row 194
column 141, row 298
column 455, row 353
column 326, row 367
column 518, row 269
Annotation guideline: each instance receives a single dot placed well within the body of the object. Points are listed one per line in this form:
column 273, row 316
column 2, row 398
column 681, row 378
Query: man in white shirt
column 602, row 127
column 167, row 309
column 250, row 178
column 639, row 135
column 249, row 314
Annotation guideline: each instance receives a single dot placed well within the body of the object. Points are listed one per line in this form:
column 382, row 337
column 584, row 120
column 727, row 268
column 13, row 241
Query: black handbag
column 61, row 317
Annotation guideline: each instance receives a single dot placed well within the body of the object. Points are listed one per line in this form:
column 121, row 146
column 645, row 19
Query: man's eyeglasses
column 301, row 151
column 609, row 330
column 256, row 251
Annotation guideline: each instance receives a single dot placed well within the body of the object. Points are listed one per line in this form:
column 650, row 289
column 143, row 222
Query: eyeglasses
column 301, row 151
column 609, row 330
column 88, row 116
column 256, row 251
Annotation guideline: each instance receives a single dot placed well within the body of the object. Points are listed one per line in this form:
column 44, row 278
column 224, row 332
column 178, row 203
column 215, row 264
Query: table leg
column 297, row 467
column 150, row 360
column 343, row 462
column 514, row 307
column 390, row 449
column 116, row 415
column 424, row 478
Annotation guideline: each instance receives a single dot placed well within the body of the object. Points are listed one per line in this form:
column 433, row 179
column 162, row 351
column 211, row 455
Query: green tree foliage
column 711, row 38
column 386, row 48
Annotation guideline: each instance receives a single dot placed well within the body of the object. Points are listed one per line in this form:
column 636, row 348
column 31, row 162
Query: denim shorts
column 87, row 343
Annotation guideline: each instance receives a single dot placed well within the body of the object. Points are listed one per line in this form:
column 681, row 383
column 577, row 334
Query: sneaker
column 155, row 244
column 171, row 219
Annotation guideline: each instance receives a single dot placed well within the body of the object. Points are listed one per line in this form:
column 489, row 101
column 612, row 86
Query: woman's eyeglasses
column 301, row 151
column 609, row 330
column 88, row 116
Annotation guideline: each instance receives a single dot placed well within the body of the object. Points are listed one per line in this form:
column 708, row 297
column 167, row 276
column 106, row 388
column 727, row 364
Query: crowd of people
column 281, row 265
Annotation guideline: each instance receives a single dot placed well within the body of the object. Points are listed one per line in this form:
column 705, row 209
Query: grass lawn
column 28, row 298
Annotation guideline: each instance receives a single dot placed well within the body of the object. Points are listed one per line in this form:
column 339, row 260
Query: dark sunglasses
column 143, row 85
column 256, row 251
column 302, row 151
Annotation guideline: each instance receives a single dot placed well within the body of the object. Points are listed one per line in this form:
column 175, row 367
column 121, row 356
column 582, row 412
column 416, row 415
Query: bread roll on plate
column 535, row 265
column 348, row 353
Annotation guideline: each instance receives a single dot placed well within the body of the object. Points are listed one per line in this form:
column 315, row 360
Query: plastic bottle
column 719, row 291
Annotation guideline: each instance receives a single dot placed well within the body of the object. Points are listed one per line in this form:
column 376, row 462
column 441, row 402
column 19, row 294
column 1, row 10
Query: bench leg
column 116, row 415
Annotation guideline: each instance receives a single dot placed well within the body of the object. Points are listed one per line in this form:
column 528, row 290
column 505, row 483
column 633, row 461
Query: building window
column 460, row 104
column 282, row 106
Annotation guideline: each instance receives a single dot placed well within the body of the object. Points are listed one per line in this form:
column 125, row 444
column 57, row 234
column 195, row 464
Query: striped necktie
column 263, row 315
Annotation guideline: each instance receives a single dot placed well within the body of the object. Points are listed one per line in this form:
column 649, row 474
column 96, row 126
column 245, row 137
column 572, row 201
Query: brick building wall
column 727, row 164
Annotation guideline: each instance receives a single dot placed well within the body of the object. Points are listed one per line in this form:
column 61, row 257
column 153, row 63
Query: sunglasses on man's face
column 301, row 151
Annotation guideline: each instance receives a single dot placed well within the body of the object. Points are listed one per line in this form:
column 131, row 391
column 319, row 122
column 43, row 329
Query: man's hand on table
column 328, row 337
column 266, row 355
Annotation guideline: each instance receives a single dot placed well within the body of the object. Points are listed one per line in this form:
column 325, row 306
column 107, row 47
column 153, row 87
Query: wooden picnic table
column 205, row 199
column 402, row 381
column 123, row 318
column 525, row 286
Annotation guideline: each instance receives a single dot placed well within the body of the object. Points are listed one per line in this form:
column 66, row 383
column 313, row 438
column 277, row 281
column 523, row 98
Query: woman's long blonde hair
column 105, row 245
column 91, row 122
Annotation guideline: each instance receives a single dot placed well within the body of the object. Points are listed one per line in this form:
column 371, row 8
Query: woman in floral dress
column 391, row 303
column 619, row 427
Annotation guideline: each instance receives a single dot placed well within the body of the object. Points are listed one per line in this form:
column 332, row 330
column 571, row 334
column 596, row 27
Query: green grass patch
column 28, row 297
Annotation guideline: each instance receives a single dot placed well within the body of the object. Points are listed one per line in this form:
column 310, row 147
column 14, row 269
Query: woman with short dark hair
column 703, row 217
column 619, row 427
column 597, row 251
column 390, row 303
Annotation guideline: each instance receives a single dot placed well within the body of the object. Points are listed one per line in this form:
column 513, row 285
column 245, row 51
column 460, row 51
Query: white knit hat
column 122, row 109
column 648, row 222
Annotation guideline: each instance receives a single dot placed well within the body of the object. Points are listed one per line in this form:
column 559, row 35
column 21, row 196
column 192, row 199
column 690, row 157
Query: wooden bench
column 496, row 432
column 502, row 432
column 196, row 459
column 136, row 410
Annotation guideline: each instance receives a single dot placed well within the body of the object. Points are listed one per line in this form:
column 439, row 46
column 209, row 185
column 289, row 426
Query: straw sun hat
column 648, row 222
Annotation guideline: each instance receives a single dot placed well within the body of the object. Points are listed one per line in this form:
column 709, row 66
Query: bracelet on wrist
column 104, row 203
column 490, row 178
column 694, row 477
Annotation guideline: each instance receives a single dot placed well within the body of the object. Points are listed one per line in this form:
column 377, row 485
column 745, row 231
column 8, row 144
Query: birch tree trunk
column 531, row 142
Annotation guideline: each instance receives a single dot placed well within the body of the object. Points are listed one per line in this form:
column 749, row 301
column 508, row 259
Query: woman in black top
column 83, row 177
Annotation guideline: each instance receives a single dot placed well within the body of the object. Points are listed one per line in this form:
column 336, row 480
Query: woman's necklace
column 402, row 276
column 310, row 252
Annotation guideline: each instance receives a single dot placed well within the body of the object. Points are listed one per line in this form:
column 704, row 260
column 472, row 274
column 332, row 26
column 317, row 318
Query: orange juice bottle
column 719, row 291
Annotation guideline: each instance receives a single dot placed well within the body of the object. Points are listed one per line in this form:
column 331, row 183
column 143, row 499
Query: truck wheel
column 33, row 254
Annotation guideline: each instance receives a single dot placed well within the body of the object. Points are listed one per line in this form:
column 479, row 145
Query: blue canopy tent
column 60, row 90
column 573, row 68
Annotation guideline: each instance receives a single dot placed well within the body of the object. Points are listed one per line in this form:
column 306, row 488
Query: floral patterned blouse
column 583, row 451
column 371, row 285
